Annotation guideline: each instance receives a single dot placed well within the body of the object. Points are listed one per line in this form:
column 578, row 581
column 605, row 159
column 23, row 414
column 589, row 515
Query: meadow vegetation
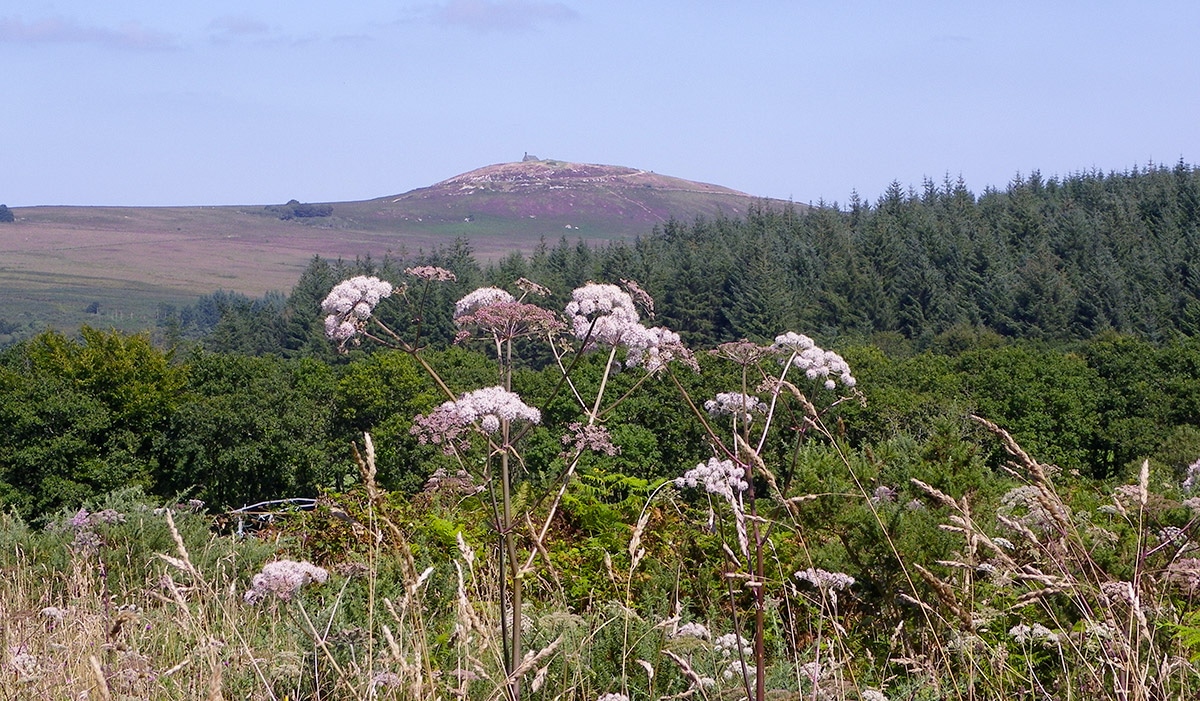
column 570, row 501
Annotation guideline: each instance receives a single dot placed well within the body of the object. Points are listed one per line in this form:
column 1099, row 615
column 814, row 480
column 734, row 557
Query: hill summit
column 547, row 197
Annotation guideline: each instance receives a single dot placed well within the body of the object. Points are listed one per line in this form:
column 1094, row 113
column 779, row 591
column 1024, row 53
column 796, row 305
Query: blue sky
column 252, row 102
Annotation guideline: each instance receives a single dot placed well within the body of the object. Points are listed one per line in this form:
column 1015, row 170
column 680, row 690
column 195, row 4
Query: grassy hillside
column 121, row 262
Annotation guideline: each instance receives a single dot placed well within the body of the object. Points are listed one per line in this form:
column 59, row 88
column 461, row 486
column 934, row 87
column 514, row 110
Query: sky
column 125, row 102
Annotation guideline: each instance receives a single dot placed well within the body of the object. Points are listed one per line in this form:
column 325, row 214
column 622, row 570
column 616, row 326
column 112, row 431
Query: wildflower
column 283, row 578
column 1185, row 574
column 603, row 315
column 613, row 697
column 724, row 478
column 81, row 519
column 1004, row 543
column 727, row 645
column 458, row 483
column 1191, row 478
column 481, row 297
column 734, row 670
column 487, row 408
column 653, row 348
column 640, row 296
column 387, row 680
column 1027, row 505
column 1173, row 534
column 794, row 341
column 107, row 516
column 86, row 541
column 872, row 695
column 742, row 352
column 349, row 305
column 53, row 613
column 21, row 662
column 884, row 494
column 589, row 437
column 720, row 477
column 812, row 671
column 530, row 287
column 692, row 630
column 817, row 363
column 508, row 320
column 1036, row 633
column 740, row 406
column 825, row 580
column 1119, row 592
column 431, row 273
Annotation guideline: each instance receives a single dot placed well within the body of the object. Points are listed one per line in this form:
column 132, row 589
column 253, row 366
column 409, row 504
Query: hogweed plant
column 739, row 424
column 598, row 318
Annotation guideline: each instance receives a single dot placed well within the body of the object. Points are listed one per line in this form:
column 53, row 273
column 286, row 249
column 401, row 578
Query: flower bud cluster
column 350, row 303
column 507, row 320
column 740, row 406
column 816, row 362
column 432, row 273
column 283, row 578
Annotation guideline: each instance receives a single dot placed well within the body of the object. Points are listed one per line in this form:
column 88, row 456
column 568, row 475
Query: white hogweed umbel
column 606, row 312
column 349, row 305
column 817, row 363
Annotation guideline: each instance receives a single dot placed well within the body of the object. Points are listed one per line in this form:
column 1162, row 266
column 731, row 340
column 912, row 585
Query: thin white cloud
column 60, row 30
column 239, row 25
column 501, row 15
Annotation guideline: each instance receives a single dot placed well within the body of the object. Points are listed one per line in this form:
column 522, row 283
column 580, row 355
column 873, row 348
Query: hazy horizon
column 230, row 103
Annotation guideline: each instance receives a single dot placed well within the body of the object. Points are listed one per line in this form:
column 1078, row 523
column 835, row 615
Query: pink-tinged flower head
column 350, row 304
column 431, row 273
column 589, row 437
column 654, row 348
column 743, row 352
column 481, row 297
column 486, row 408
column 603, row 314
column 507, row 320
column 283, row 578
